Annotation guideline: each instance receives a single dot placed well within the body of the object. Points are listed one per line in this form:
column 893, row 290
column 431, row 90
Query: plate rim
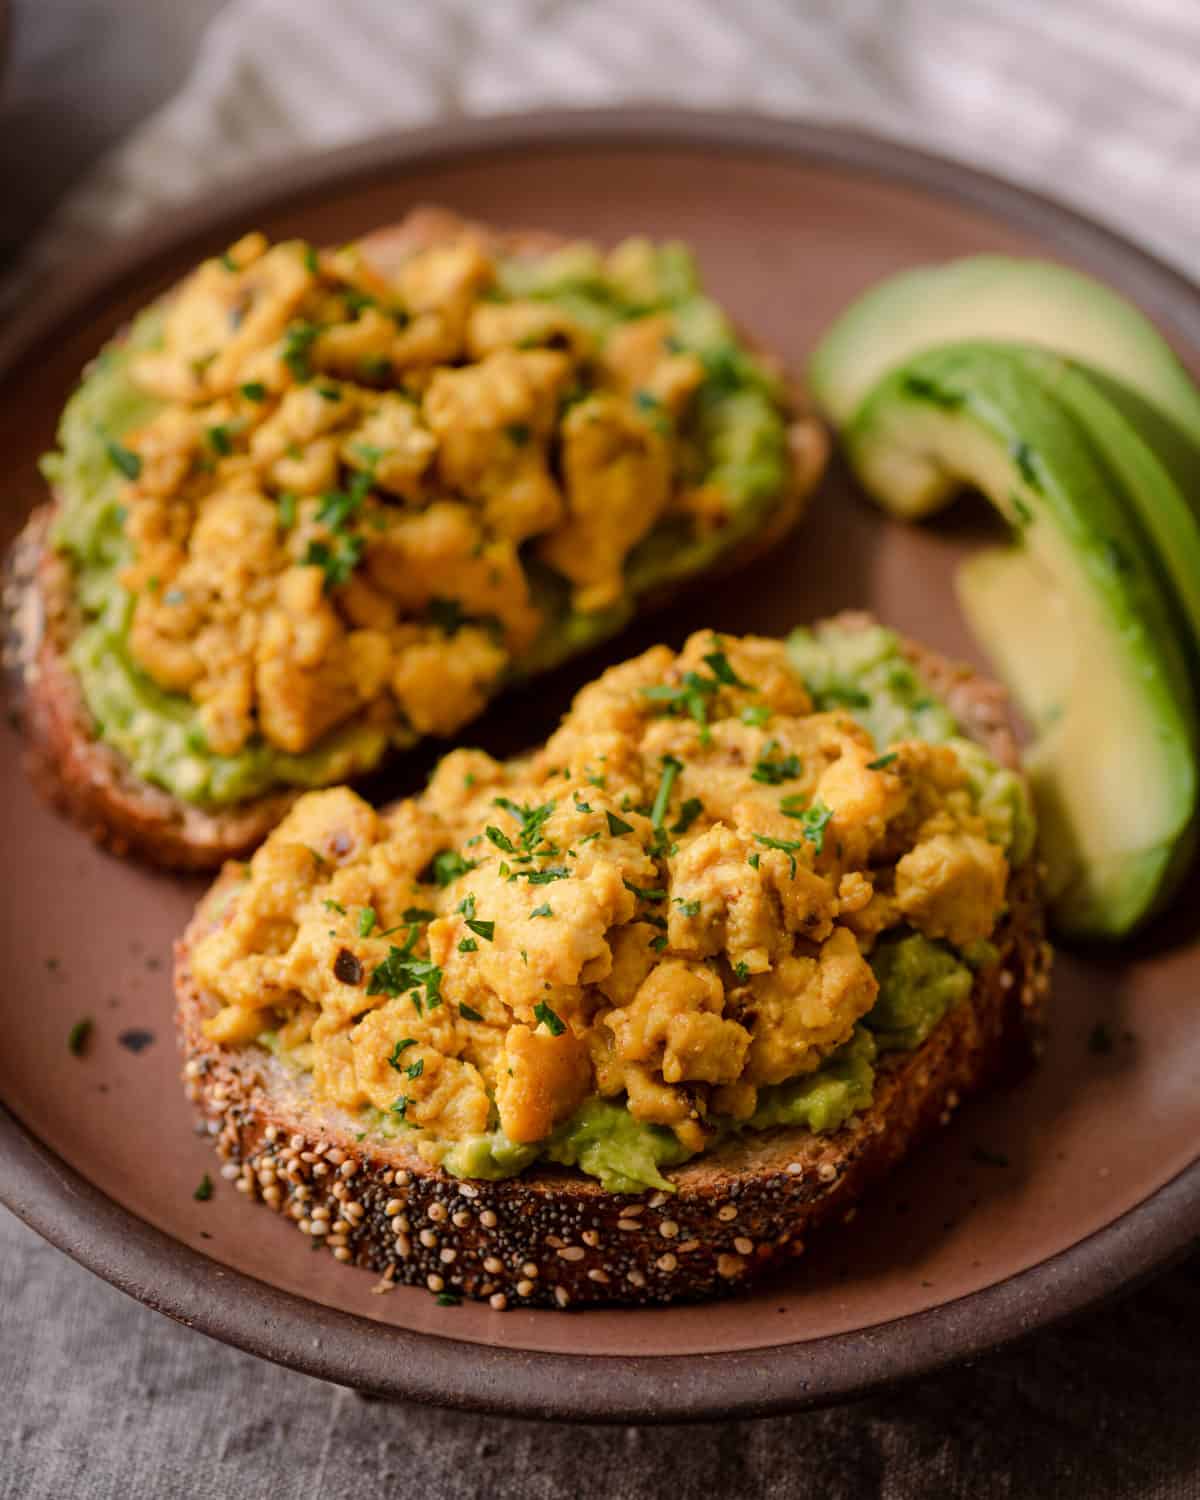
column 61, row 1205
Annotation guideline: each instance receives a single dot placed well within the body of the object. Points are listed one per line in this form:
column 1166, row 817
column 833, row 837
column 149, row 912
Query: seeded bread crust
column 553, row 1237
column 92, row 783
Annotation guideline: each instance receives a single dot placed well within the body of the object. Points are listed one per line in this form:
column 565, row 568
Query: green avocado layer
column 920, row 980
column 735, row 437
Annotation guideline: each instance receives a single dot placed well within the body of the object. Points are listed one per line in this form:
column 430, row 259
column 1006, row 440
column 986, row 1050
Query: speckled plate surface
column 1100, row 1182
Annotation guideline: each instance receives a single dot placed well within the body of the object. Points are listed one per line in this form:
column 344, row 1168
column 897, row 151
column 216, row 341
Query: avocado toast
column 661, row 998
column 317, row 505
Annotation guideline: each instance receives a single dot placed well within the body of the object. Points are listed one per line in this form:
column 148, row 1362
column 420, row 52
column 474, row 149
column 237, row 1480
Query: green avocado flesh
column 1076, row 615
column 919, row 980
column 735, row 438
column 988, row 297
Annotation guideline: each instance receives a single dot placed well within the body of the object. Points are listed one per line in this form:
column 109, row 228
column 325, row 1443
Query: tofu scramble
column 703, row 905
column 324, row 502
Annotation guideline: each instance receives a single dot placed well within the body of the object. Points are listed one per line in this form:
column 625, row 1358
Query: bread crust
column 93, row 784
column 553, row 1237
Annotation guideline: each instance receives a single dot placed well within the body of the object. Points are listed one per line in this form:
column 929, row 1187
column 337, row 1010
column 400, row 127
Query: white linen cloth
column 1095, row 101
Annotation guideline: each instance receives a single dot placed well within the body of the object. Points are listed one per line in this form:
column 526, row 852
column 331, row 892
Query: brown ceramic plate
column 1101, row 1182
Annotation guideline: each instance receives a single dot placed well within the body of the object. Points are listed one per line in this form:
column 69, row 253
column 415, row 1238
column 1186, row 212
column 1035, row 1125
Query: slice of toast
column 554, row 1237
column 93, row 783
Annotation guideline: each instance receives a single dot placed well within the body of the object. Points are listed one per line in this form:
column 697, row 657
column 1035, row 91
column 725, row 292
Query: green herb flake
column 297, row 348
column 741, row 971
column 78, row 1036
column 688, row 908
column 415, row 914
column 336, row 562
column 500, row 839
column 336, row 906
column 547, row 1018
column 125, row 459
column 545, row 910
column 448, row 865
column 204, row 1189
column 253, row 390
column 617, row 826
column 644, row 894
column 671, row 768
column 772, row 770
column 415, row 1069
column 468, row 945
column 485, row 930
column 448, row 1299
column 883, row 761
column 367, row 920
column 287, row 510
column 756, row 715
column 219, row 439
column 718, row 664
column 468, row 1013
column 688, row 813
column 401, row 1046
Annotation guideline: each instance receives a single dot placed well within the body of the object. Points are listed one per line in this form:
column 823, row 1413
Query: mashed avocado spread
column 220, row 414
column 704, row 907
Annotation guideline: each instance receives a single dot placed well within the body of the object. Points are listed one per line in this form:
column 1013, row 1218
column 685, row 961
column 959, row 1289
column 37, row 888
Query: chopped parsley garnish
column 531, row 819
column 253, row 390
column 688, row 908
column 77, row 1037
column 125, row 459
column 546, row 876
column 334, row 906
column 376, row 367
column 644, row 894
column 662, row 798
column 357, row 300
column 658, row 943
column 583, row 807
column 367, row 919
column 336, row 562
column 500, row 839
column 400, row 1107
column 741, row 971
column 756, row 715
column 468, row 1013
column 883, row 761
column 468, row 945
column 415, row 1069
column 786, row 846
column 772, row 769
column 448, row 865
column 617, row 826
column 297, row 347
column 691, row 697
column 688, row 813
column 400, row 972
column 204, row 1189
column 448, row 1299
column 814, row 820
column 415, row 914
column 718, row 664
column 545, row 910
column 219, row 440
column 287, row 510
column 228, row 261
column 548, row 1019
column 341, row 506
column 485, row 930
column 310, row 260
column 401, row 1046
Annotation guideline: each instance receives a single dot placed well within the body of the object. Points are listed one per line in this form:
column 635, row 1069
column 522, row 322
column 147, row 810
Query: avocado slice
column 1076, row 616
column 1000, row 297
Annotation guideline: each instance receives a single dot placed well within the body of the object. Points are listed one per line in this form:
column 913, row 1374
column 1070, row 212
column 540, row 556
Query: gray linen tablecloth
column 1093, row 99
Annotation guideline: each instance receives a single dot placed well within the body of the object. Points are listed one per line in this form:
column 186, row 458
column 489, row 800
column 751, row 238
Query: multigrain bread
column 94, row 785
column 554, row 1237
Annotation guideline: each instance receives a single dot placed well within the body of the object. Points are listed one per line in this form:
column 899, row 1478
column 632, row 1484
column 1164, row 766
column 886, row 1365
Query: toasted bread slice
column 554, row 1237
column 92, row 783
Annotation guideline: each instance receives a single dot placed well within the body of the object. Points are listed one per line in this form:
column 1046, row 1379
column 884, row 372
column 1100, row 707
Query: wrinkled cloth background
column 113, row 110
